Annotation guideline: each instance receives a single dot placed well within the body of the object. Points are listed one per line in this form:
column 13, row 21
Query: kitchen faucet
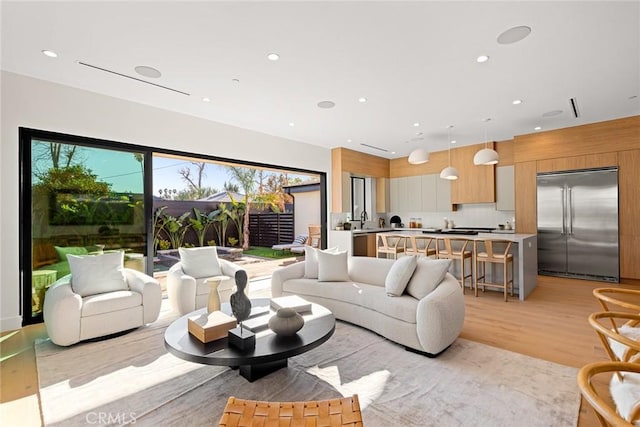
column 363, row 218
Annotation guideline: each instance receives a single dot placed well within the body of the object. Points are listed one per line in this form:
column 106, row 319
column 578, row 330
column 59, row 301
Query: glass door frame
column 26, row 138
column 26, row 135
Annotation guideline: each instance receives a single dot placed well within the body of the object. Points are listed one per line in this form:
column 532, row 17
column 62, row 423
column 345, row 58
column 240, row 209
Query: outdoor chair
column 299, row 241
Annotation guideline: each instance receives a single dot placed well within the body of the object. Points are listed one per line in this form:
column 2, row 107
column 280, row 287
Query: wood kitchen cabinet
column 364, row 245
column 475, row 184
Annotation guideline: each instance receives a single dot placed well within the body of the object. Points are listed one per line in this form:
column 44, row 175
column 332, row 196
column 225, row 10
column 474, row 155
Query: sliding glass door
column 84, row 199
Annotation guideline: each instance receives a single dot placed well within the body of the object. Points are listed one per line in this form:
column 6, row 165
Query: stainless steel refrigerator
column 578, row 224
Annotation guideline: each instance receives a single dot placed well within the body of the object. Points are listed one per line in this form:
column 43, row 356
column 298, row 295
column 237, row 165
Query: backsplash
column 467, row 215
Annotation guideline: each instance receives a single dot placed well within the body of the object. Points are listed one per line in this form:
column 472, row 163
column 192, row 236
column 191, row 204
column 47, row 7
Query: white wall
column 32, row 103
column 307, row 211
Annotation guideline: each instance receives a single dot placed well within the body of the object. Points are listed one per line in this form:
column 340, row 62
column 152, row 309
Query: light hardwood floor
column 551, row 324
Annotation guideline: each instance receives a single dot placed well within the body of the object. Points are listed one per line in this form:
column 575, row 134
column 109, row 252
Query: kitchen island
column 524, row 250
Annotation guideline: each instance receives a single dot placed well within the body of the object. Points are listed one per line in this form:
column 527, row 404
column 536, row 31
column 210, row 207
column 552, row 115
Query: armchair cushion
column 200, row 262
column 63, row 251
column 97, row 274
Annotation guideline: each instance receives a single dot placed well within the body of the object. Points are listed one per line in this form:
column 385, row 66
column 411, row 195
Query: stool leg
column 504, row 279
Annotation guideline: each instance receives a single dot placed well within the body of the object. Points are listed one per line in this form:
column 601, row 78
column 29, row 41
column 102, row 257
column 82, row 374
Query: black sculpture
column 240, row 302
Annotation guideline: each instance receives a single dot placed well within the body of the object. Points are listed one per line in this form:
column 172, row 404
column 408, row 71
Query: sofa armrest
column 61, row 311
column 440, row 316
column 181, row 290
column 281, row 275
column 150, row 290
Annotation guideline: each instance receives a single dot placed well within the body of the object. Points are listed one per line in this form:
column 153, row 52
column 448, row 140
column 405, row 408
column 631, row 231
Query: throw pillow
column 427, row 276
column 399, row 275
column 333, row 267
column 63, row 251
column 97, row 274
column 200, row 262
column 311, row 261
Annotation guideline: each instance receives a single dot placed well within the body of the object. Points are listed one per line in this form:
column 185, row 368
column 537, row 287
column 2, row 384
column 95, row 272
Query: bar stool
column 491, row 256
column 449, row 251
column 420, row 245
column 390, row 244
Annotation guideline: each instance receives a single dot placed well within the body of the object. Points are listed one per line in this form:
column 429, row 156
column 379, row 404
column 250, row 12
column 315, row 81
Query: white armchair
column 70, row 317
column 190, row 292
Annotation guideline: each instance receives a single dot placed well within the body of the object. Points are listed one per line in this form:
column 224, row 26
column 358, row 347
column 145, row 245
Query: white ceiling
column 413, row 61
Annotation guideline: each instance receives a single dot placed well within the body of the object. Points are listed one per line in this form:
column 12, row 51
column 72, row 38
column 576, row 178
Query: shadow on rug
column 132, row 379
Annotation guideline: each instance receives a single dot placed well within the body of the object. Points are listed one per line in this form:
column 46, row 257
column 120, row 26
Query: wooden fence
column 268, row 229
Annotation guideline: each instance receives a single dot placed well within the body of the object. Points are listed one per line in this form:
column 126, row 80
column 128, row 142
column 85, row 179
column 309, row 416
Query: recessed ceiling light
column 273, row 57
column 205, row 99
column 516, row 101
column 326, row 104
column 552, row 113
column 349, row 140
column 49, row 53
column 146, row 71
column 537, row 128
column 482, row 58
column 292, row 124
column 453, row 141
column 416, row 124
column 362, row 99
column 393, row 152
column 514, row 34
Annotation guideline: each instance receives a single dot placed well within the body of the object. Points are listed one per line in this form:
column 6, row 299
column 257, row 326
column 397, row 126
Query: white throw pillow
column 97, row 274
column 333, row 267
column 427, row 276
column 311, row 261
column 200, row 262
column 399, row 275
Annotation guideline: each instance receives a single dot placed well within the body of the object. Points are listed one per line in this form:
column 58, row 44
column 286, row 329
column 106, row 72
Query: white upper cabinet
column 505, row 188
column 412, row 197
column 443, row 193
column 429, row 193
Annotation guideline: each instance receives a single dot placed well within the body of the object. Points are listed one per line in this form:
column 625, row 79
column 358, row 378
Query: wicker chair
column 607, row 410
column 421, row 245
column 621, row 340
column 343, row 412
column 628, row 299
column 391, row 244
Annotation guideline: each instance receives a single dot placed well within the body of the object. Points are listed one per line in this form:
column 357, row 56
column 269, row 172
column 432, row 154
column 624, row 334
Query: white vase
column 286, row 322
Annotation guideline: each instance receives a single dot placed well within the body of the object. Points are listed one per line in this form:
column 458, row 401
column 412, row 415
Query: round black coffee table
column 270, row 353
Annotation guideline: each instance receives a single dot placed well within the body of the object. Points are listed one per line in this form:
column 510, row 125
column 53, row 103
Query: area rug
column 131, row 379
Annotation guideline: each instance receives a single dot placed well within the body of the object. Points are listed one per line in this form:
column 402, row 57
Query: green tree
column 220, row 222
column 201, row 223
column 246, row 178
column 236, row 215
column 176, row 228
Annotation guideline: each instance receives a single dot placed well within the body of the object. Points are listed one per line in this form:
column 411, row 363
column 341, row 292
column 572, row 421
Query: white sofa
column 187, row 293
column 70, row 317
column 428, row 325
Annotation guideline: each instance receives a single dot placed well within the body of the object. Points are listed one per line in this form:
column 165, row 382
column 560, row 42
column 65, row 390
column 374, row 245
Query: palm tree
column 246, row 178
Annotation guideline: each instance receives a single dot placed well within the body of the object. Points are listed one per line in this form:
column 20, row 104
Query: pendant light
column 486, row 156
column 419, row 156
column 449, row 172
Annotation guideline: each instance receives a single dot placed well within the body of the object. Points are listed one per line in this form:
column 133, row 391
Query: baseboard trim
column 10, row 323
